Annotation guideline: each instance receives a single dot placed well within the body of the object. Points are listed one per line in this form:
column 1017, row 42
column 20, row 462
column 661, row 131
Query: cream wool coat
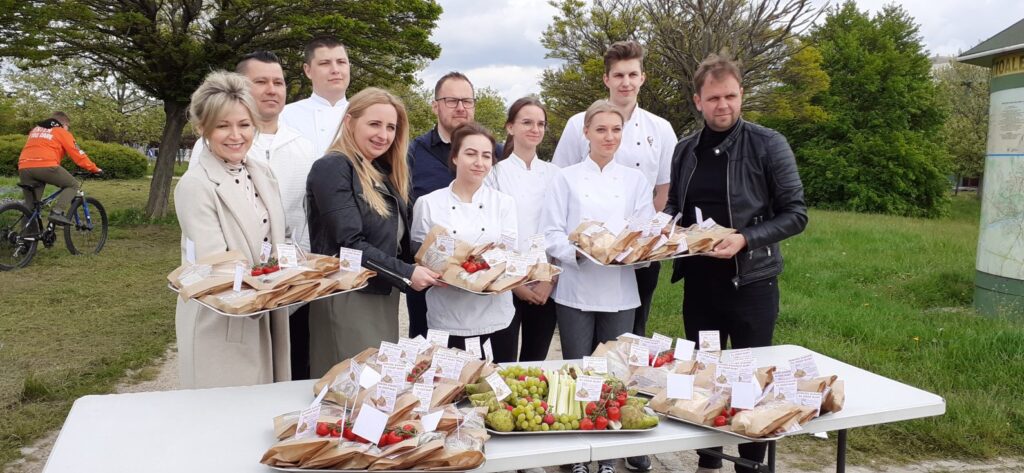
column 215, row 350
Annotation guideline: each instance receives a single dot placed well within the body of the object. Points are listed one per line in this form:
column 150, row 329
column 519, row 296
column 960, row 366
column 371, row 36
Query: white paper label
column 804, row 367
column 728, row 373
column 497, row 383
column 423, row 392
column 657, row 223
column 709, row 340
column 447, row 365
column 239, row 274
column 597, row 363
column 438, row 337
column 473, row 348
column 588, row 388
column 708, row 224
column 424, row 344
column 389, row 353
column 744, row 394
column 592, row 229
column 287, row 257
column 410, row 348
column 742, row 356
column 488, row 351
column 445, row 244
column 700, row 217
column 680, row 386
column 664, row 341
column 624, row 254
column 537, row 243
column 368, row 378
column 636, row 223
column 385, row 397
column 684, row 349
column 350, row 260
column 265, row 250
column 707, row 358
column 683, row 247
column 639, row 355
column 320, row 397
column 509, row 242
column 785, row 390
column 518, row 266
column 307, row 422
column 809, row 399
column 431, row 420
column 370, row 423
column 395, row 373
column 653, row 346
column 783, row 375
column 495, row 256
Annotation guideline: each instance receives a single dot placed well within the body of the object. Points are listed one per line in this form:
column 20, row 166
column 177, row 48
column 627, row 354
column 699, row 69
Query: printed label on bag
column 350, row 260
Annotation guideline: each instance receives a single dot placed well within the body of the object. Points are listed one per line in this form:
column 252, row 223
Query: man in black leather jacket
column 743, row 176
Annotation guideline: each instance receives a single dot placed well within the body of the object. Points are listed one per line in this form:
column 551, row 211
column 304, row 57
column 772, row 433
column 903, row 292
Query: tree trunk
column 170, row 141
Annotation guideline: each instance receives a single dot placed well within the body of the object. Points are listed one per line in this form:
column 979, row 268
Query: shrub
column 117, row 161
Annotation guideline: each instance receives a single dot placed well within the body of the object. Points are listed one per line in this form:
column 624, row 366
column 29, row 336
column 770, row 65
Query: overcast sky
column 497, row 42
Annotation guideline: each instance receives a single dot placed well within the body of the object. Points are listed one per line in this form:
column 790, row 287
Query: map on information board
column 1001, row 239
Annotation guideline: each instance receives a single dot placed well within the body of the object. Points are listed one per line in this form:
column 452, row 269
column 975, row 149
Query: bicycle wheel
column 89, row 232
column 15, row 224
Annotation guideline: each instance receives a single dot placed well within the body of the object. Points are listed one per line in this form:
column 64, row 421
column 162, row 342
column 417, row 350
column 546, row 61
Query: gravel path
column 34, row 457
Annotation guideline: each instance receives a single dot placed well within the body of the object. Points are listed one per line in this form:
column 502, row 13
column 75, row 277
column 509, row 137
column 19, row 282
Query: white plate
column 638, row 263
column 293, row 304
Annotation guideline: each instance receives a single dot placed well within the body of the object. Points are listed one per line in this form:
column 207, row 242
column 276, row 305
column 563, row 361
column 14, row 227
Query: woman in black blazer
column 357, row 197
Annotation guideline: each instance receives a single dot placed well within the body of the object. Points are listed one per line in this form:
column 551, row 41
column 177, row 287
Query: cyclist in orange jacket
column 39, row 164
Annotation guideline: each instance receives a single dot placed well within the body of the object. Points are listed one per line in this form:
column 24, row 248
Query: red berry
column 322, row 430
column 586, row 424
column 509, row 407
column 549, row 419
column 720, row 421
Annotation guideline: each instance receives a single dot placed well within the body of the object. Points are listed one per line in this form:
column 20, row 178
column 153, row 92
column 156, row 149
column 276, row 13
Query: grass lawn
column 71, row 325
column 893, row 295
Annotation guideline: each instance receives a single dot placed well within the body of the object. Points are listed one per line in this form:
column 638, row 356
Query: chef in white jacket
column 477, row 214
column 594, row 303
column 318, row 116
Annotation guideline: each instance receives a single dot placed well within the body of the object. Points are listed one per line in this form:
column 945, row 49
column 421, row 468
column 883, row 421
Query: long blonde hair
column 395, row 156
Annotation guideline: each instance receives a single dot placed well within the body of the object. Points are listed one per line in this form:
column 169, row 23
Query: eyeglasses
column 453, row 102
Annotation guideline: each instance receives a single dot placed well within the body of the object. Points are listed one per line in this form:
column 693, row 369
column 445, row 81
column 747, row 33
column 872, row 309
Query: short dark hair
column 717, row 66
column 328, row 42
column 262, row 56
column 470, row 129
column 61, row 117
column 453, row 75
column 623, row 51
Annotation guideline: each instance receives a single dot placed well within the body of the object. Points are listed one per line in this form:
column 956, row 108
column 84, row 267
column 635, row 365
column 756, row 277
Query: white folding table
column 229, row 429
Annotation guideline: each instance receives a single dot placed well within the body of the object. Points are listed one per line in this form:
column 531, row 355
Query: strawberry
column 322, row 430
column 720, row 421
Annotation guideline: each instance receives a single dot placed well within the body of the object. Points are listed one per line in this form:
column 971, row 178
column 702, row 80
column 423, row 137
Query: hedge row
column 117, row 161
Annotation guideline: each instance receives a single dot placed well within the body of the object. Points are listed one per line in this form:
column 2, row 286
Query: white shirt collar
column 343, row 103
column 591, row 165
column 477, row 196
column 521, row 163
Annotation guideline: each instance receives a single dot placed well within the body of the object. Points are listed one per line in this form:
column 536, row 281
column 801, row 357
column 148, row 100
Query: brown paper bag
column 226, row 260
column 764, row 420
column 836, row 397
column 476, row 282
column 445, row 392
column 410, row 459
column 346, row 280
column 284, row 277
column 293, row 293
column 506, row 282
column 330, row 457
column 343, row 367
column 451, row 458
column 321, row 263
column 429, row 256
column 295, row 452
column 544, row 272
column 247, row 301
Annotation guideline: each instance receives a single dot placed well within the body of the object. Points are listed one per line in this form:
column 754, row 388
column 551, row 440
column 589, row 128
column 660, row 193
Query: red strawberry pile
column 725, row 418
column 662, row 358
column 474, row 264
column 270, row 266
column 390, row 436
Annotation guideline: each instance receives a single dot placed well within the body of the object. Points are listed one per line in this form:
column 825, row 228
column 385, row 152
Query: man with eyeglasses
column 454, row 104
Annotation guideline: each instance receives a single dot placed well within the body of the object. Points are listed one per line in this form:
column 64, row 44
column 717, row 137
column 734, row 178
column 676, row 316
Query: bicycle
column 20, row 226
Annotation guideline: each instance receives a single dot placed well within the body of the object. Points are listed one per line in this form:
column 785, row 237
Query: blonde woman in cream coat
column 228, row 202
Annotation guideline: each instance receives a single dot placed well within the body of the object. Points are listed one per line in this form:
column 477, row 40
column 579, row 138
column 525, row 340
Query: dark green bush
column 117, row 161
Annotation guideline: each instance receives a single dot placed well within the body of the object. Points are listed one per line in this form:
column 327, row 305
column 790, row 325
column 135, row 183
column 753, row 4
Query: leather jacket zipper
column 728, row 203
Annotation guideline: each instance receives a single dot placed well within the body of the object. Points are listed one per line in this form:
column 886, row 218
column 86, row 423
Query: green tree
column 677, row 34
column 166, row 48
column 101, row 106
column 789, row 103
column 491, row 111
column 879, row 149
column 965, row 92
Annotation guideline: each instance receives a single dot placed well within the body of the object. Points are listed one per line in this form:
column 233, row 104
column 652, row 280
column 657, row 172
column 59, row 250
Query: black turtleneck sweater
column 707, row 190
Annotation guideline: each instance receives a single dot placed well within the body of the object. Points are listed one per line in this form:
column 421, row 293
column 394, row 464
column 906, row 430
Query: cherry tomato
column 720, row 421
column 322, row 430
column 614, row 413
column 586, row 424
column 591, row 407
column 601, row 423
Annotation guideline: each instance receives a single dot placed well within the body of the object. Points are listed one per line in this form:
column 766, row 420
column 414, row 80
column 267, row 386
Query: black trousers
column 646, row 283
column 504, row 342
column 416, row 302
column 298, row 335
column 744, row 317
column 538, row 325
